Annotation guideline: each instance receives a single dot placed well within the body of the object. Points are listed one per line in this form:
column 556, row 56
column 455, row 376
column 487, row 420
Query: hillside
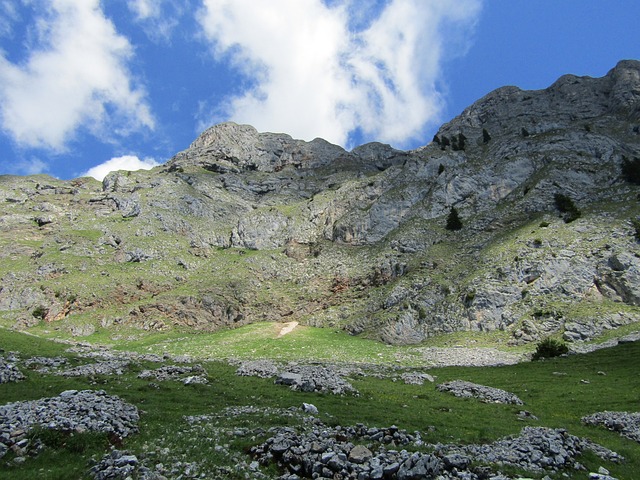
column 245, row 227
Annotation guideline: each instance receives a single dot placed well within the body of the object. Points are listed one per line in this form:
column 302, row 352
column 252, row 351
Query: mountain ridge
column 245, row 226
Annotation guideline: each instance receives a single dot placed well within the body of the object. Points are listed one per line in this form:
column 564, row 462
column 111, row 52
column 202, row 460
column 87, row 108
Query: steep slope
column 246, row 226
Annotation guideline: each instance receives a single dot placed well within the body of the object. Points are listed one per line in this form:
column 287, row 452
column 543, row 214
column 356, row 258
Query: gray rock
column 360, row 454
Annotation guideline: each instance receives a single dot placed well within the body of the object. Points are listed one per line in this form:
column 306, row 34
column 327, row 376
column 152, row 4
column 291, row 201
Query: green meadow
column 558, row 391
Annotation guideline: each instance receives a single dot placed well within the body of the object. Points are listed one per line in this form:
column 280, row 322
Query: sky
column 89, row 86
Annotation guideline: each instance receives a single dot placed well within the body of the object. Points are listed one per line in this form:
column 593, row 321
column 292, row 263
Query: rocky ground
column 71, row 411
column 361, row 452
column 314, row 450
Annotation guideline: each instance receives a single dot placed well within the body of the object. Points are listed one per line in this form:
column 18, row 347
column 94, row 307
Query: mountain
column 244, row 227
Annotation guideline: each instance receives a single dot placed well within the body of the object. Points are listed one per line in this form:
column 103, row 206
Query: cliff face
column 246, row 226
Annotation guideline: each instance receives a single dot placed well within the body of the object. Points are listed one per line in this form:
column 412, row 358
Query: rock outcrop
column 245, row 226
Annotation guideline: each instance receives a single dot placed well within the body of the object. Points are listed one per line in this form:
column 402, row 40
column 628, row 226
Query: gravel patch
column 467, row 357
column 461, row 388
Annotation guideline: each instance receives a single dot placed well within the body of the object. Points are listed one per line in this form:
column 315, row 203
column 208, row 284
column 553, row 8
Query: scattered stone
column 175, row 372
column 324, row 452
column 415, row 378
column 107, row 367
column 9, row 371
column 625, row 423
column 257, row 368
column 461, row 388
column 45, row 364
column 309, row 408
column 524, row 415
column 311, row 378
column 70, row 411
column 119, row 464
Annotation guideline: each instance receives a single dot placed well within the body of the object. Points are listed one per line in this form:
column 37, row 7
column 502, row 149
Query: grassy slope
column 558, row 401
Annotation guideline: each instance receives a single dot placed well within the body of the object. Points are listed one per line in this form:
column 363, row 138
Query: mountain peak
column 244, row 226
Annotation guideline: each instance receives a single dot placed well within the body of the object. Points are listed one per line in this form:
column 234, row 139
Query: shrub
column 485, row 136
column 566, row 206
column 524, row 132
column 549, row 348
column 453, row 220
column 635, row 223
column 39, row 312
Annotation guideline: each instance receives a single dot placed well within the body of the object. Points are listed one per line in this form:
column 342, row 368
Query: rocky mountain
column 245, row 226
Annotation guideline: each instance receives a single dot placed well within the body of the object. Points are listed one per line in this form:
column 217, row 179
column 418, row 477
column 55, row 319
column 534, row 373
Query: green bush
column 566, row 206
column 549, row 348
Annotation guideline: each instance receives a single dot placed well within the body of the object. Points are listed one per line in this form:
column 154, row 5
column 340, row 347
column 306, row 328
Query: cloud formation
column 159, row 18
column 126, row 162
column 75, row 77
column 341, row 68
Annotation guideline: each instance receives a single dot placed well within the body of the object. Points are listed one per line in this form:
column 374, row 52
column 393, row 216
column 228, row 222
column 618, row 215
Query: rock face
column 245, row 226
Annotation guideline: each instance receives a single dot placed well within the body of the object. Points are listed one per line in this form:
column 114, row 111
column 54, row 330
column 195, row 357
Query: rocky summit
column 520, row 216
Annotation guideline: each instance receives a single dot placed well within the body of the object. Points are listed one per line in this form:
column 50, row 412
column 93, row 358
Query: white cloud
column 8, row 15
column 31, row 166
column 76, row 77
column 126, row 162
column 327, row 71
column 158, row 18
column 145, row 8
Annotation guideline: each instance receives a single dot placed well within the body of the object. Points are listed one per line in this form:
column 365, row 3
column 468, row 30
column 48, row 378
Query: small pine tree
column 453, row 220
column 631, row 170
column 436, row 139
column 444, row 142
column 485, row 136
column 440, row 169
column 524, row 132
column 461, row 141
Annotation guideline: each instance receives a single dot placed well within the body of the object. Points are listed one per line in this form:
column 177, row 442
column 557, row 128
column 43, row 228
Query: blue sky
column 92, row 86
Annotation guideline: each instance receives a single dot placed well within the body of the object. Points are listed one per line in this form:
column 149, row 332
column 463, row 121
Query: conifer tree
column 453, row 220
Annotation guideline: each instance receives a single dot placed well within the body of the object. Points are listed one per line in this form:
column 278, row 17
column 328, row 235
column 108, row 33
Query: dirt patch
column 287, row 328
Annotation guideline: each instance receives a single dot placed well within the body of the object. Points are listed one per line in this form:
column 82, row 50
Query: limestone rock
column 262, row 226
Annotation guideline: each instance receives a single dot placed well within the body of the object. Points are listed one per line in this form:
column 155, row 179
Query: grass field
column 557, row 400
